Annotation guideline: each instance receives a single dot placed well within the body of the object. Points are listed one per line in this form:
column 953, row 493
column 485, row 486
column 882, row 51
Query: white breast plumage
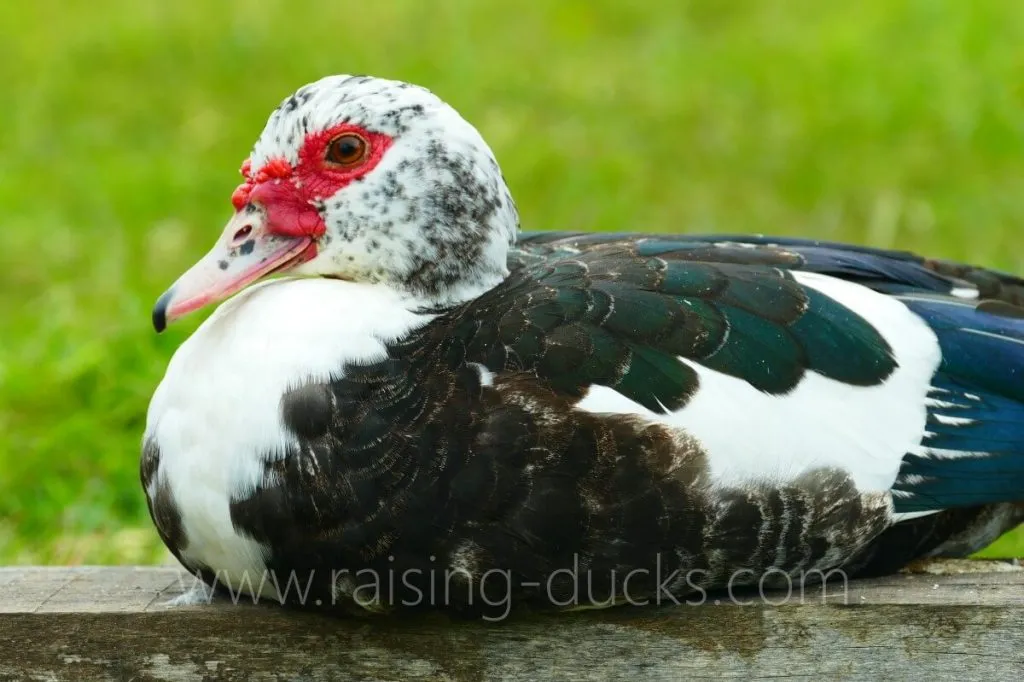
column 216, row 415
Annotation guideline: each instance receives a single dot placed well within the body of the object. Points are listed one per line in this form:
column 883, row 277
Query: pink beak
column 254, row 244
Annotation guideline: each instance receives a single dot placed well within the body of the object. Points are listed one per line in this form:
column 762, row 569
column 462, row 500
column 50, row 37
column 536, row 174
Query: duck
column 404, row 400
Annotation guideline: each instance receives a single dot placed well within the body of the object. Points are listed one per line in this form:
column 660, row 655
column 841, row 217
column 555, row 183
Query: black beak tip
column 160, row 311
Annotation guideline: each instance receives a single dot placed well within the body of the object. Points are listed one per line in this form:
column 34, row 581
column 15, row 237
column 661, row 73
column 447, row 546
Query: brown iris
column 346, row 150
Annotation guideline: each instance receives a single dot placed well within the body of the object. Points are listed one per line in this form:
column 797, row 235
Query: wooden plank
column 113, row 624
column 97, row 589
column 118, row 589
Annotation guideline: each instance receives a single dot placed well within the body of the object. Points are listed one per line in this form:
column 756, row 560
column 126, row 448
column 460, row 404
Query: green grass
column 123, row 123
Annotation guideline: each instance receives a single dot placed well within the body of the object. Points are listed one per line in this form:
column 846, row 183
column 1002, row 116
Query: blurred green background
column 123, row 123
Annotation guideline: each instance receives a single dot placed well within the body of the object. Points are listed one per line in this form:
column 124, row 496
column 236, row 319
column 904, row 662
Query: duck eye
column 346, row 150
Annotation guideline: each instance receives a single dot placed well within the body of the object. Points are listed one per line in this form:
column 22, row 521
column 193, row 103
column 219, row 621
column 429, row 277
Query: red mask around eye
column 327, row 161
column 275, row 169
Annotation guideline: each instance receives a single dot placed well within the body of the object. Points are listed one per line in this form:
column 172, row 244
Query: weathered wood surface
column 113, row 624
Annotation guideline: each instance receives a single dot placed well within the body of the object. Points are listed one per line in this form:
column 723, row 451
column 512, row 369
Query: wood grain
column 112, row 623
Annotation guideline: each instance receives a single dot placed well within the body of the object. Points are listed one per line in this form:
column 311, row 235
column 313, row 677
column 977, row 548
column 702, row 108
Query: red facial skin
column 284, row 236
column 289, row 194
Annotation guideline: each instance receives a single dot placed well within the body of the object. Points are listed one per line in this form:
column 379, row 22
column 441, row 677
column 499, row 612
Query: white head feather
column 434, row 217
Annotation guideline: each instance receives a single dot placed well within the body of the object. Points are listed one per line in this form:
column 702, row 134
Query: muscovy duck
column 433, row 400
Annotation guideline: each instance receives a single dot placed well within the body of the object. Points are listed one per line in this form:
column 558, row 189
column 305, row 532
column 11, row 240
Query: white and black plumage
column 433, row 392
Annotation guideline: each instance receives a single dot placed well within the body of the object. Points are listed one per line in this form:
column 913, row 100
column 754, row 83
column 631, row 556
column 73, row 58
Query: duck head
column 363, row 179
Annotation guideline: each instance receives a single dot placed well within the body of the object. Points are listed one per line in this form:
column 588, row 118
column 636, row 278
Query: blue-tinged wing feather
column 887, row 271
column 973, row 452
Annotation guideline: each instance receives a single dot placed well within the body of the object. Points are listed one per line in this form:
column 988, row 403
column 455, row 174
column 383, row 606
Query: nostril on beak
column 243, row 232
